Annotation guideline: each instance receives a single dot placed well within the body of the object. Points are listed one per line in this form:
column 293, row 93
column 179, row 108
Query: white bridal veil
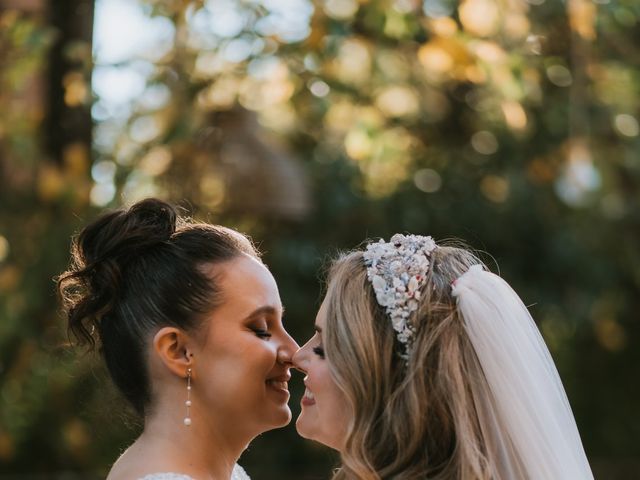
column 525, row 414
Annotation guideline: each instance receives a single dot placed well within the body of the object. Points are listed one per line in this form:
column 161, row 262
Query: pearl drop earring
column 187, row 419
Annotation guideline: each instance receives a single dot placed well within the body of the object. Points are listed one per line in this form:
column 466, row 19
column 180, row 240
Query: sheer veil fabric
column 524, row 413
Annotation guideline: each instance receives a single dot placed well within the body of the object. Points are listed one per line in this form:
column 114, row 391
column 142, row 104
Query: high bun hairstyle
column 134, row 271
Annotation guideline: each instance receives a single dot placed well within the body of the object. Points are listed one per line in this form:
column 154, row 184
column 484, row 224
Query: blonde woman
column 189, row 322
column 426, row 365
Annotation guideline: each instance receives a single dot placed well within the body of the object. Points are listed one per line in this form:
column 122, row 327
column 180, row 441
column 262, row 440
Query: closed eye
column 262, row 333
column 319, row 351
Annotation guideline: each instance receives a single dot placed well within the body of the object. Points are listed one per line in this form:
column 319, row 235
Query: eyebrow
column 317, row 329
column 265, row 310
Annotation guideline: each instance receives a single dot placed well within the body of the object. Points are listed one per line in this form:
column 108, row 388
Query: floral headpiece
column 397, row 270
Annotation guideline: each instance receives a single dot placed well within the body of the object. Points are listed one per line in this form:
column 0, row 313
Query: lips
column 280, row 383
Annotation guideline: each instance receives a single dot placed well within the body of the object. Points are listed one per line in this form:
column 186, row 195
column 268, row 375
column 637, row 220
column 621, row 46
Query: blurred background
column 311, row 126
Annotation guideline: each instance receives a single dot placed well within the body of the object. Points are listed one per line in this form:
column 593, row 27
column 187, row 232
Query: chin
column 302, row 429
column 280, row 418
column 308, row 432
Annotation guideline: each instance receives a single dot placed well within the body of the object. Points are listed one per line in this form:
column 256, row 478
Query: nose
column 287, row 349
column 298, row 360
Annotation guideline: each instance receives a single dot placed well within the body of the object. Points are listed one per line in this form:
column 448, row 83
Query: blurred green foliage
column 509, row 124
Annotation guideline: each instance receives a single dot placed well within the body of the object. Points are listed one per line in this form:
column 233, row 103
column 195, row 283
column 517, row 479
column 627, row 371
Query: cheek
column 337, row 406
column 327, row 420
column 253, row 360
column 239, row 363
column 329, row 398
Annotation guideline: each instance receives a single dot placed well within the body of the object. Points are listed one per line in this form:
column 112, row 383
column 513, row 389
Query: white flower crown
column 397, row 271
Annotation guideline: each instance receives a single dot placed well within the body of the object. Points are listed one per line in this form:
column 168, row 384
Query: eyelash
column 262, row 333
column 319, row 351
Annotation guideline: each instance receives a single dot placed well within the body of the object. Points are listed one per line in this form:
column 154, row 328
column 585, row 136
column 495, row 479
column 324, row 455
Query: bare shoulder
column 166, row 476
column 133, row 464
column 134, row 474
column 151, row 460
column 149, row 476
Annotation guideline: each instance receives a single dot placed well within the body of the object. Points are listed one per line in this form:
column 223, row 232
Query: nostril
column 285, row 357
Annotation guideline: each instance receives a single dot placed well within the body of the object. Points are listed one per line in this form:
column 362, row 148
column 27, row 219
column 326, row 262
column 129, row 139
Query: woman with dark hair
column 189, row 322
column 426, row 365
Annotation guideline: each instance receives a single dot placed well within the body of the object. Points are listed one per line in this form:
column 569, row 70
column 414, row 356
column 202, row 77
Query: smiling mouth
column 308, row 398
column 278, row 385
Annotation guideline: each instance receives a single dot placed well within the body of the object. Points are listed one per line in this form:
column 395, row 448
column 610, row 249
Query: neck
column 207, row 449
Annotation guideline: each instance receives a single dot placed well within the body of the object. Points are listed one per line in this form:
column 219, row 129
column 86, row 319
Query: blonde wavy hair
column 415, row 420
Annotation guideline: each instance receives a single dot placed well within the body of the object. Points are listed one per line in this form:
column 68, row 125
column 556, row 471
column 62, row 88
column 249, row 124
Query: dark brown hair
column 136, row 270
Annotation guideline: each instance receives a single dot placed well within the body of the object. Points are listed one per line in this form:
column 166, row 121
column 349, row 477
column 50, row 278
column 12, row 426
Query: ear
column 171, row 345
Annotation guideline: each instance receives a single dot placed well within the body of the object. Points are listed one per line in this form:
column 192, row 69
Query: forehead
column 321, row 317
column 246, row 284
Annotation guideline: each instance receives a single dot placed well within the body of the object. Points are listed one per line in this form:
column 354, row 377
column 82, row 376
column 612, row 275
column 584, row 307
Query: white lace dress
column 237, row 474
